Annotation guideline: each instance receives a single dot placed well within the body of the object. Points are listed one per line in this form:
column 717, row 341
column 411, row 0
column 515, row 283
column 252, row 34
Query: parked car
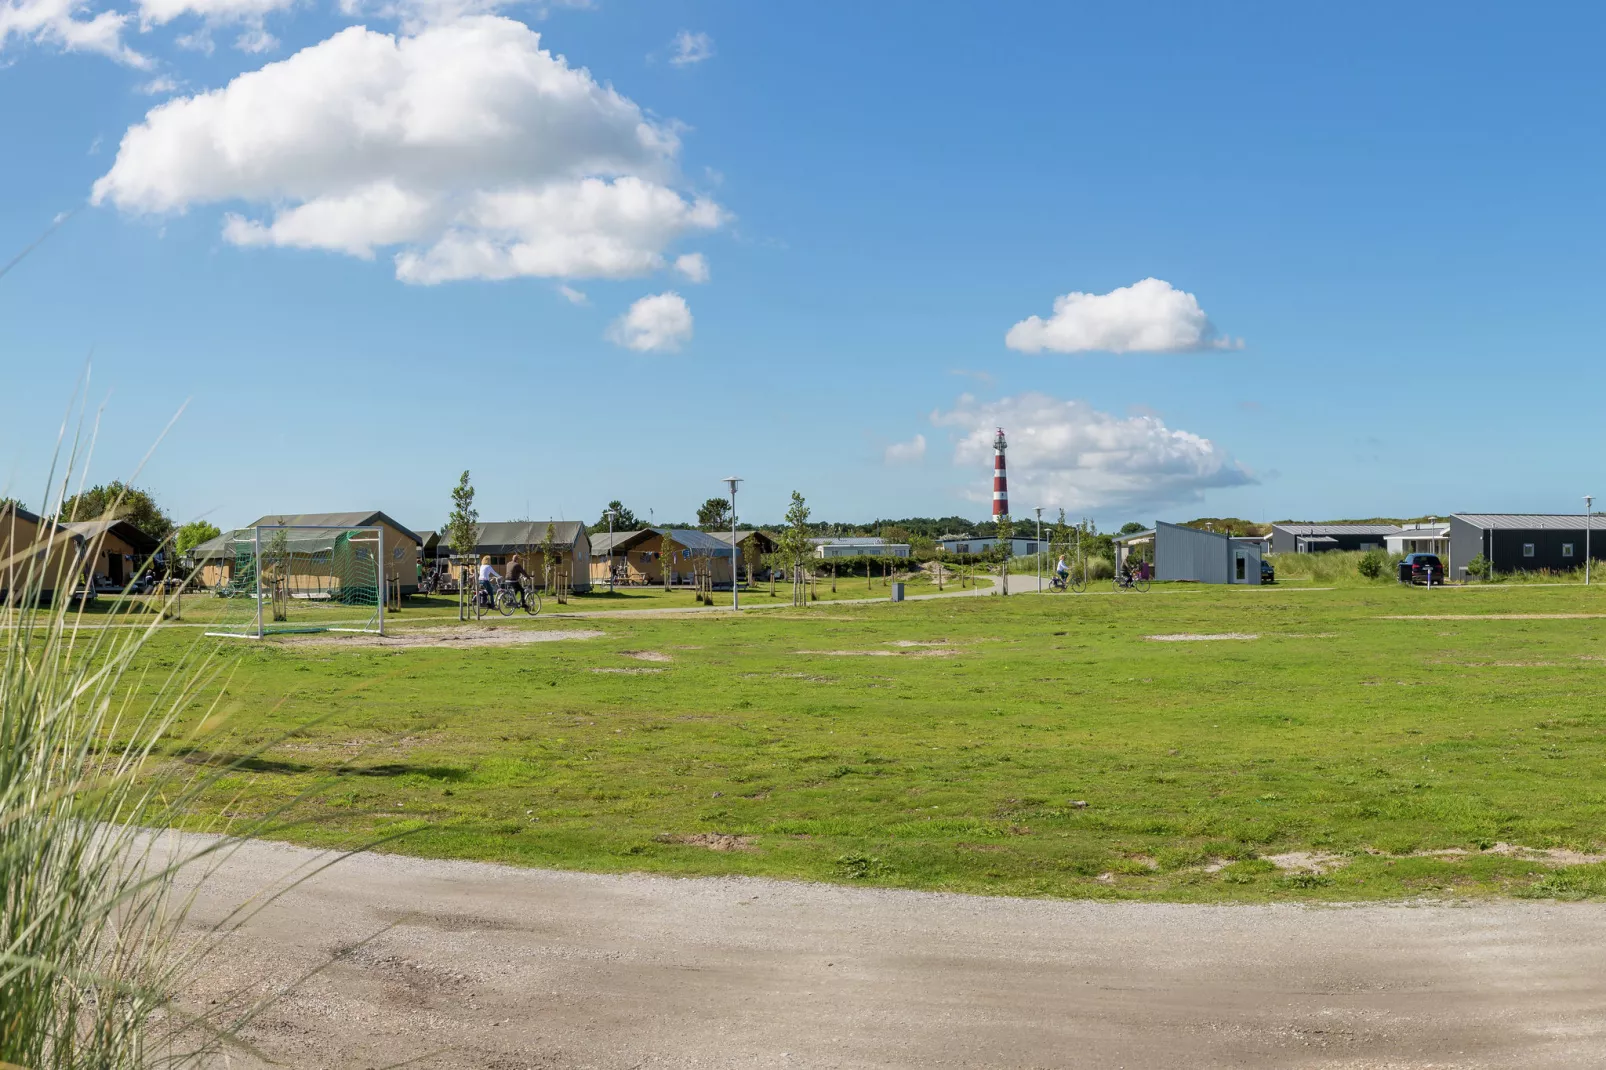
column 1267, row 573
column 1421, row 568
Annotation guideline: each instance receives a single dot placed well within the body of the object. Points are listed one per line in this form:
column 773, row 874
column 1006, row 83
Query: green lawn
column 837, row 751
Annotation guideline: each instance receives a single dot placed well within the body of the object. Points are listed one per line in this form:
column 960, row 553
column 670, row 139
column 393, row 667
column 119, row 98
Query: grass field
column 951, row 744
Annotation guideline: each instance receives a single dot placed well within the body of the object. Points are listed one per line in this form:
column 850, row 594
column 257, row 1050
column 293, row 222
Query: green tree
column 750, row 555
column 1003, row 550
column 795, row 545
column 551, row 556
column 666, row 555
column 118, row 501
column 624, row 519
column 463, row 523
column 714, row 513
column 1132, row 527
column 193, row 534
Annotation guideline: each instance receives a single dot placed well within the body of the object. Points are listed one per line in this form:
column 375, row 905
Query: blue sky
column 1375, row 232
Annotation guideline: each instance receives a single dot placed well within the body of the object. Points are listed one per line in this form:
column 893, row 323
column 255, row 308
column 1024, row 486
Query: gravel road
column 455, row 964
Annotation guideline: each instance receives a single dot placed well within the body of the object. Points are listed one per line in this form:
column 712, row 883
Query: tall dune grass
column 89, row 919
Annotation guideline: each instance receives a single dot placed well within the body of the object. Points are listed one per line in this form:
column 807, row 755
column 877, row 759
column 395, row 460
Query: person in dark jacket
column 517, row 574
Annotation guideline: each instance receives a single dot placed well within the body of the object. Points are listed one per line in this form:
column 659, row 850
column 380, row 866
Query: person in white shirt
column 488, row 578
column 1062, row 569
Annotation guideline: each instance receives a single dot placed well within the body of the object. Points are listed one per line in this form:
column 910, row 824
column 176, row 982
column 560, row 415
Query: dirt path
column 486, row 966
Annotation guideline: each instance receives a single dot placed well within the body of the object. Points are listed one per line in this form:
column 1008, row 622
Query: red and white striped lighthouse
column 1000, row 479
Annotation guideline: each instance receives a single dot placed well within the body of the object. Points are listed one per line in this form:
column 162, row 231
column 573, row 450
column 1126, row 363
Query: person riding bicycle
column 488, row 578
column 1127, row 572
column 1061, row 569
column 516, row 574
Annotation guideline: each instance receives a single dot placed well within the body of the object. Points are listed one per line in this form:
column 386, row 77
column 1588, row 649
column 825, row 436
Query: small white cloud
column 693, row 266
column 906, row 452
column 573, row 296
column 256, row 40
column 70, row 26
column 691, row 48
column 1150, row 316
column 160, row 86
column 654, row 324
column 199, row 41
column 1069, row 454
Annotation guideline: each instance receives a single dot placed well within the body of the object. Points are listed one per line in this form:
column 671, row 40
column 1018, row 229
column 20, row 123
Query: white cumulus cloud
column 1150, row 316
column 1069, row 454
column 573, row 296
column 691, row 48
column 466, row 148
column 694, row 266
column 653, row 324
column 906, row 452
column 68, row 25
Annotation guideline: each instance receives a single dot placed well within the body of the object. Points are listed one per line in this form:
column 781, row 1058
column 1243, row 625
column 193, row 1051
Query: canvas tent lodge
column 311, row 543
column 501, row 540
column 113, row 549
column 638, row 555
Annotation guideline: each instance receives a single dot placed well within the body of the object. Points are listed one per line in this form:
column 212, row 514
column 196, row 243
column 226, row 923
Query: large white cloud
column 656, row 323
column 68, row 25
column 468, row 146
column 1069, row 454
column 1150, row 316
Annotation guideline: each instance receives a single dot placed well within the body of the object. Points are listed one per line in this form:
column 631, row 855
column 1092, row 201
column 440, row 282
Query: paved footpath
column 486, row 966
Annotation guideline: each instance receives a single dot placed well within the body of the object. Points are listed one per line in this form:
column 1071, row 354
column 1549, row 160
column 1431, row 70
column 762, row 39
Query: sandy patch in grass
column 1308, row 861
column 920, row 642
column 927, row 653
column 1196, row 637
column 645, row 655
column 1493, row 616
column 627, row 672
column 451, row 638
column 714, row 841
column 1544, row 856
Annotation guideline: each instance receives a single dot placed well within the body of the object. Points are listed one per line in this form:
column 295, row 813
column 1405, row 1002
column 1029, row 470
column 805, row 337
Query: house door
column 1240, row 567
column 114, row 568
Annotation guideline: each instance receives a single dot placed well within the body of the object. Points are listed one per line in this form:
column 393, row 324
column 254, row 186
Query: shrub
column 1372, row 564
column 1478, row 567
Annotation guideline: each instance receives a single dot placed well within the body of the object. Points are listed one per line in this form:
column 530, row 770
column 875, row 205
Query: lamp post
column 1589, row 511
column 610, row 550
column 736, row 598
column 1039, row 549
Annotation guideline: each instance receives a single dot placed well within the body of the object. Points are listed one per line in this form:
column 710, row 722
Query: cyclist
column 516, row 575
column 1062, row 570
column 488, row 578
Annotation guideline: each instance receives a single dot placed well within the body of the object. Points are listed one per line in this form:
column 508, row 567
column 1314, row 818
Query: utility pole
column 1589, row 511
column 736, row 599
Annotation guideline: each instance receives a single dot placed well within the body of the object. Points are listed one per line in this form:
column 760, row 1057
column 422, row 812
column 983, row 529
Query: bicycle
column 1131, row 581
column 511, row 596
column 1076, row 582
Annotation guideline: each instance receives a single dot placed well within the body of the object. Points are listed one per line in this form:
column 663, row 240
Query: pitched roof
column 122, row 529
column 700, row 541
column 521, row 534
column 333, row 520
column 605, row 542
column 1337, row 529
column 1527, row 521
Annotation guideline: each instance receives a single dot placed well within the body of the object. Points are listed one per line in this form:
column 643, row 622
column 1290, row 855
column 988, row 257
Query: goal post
column 278, row 579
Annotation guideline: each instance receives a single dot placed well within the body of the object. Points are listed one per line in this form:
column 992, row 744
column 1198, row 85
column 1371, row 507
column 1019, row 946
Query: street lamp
column 736, row 598
column 1589, row 511
column 610, row 550
column 1039, row 549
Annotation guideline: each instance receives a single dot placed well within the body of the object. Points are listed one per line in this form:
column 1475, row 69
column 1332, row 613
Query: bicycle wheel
column 479, row 605
column 532, row 602
column 1078, row 582
column 1140, row 583
column 506, row 602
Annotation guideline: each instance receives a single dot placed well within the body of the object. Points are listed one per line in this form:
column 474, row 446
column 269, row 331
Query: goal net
column 278, row 579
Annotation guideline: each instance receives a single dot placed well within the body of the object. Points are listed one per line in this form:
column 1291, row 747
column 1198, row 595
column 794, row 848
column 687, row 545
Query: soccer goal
column 286, row 578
